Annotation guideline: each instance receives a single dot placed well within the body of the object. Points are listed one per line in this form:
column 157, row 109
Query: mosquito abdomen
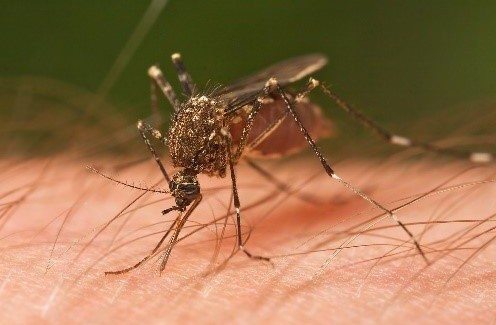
column 275, row 134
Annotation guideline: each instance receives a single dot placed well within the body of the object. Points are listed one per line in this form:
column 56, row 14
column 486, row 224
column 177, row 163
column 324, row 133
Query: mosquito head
column 184, row 187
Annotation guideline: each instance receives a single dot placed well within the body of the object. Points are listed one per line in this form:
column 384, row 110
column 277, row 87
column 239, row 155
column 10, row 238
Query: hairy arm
column 336, row 259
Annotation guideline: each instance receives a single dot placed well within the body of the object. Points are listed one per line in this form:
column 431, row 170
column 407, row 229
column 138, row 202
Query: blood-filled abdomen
column 275, row 133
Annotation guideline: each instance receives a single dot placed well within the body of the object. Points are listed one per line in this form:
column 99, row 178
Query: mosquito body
column 256, row 116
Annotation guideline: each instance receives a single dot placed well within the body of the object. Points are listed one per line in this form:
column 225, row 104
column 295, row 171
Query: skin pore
column 55, row 249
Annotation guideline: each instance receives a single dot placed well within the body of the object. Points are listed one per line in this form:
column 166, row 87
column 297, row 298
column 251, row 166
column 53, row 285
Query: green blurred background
column 399, row 61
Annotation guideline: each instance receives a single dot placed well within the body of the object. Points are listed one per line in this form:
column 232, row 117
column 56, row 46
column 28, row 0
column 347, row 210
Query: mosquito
column 253, row 117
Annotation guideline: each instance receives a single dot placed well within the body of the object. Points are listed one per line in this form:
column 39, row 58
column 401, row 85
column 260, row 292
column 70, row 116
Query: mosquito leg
column 158, row 77
column 153, row 131
column 391, row 138
column 312, row 84
column 184, row 77
column 331, row 172
column 249, row 122
column 146, row 258
column 156, row 117
column 237, row 206
column 268, row 88
column 173, row 239
column 142, row 129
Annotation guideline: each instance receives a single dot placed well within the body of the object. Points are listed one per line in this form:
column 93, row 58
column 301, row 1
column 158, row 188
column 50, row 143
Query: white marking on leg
column 183, row 77
column 156, row 133
column 154, row 71
column 271, row 83
column 313, row 83
column 400, row 141
column 481, row 157
column 176, row 57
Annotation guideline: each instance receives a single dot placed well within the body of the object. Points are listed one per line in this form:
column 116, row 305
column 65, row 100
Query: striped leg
column 237, row 206
column 184, row 77
column 476, row 157
column 249, row 123
column 312, row 84
column 268, row 88
column 332, row 173
column 156, row 117
column 143, row 129
column 283, row 187
column 158, row 77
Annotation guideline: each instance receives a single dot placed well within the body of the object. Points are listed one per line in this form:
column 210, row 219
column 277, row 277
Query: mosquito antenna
column 146, row 189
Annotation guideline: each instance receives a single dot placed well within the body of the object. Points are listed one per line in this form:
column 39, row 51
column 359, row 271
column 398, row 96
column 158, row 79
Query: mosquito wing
column 285, row 72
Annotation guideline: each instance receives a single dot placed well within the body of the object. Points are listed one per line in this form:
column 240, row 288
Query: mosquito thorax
column 196, row 138
column 185, row 188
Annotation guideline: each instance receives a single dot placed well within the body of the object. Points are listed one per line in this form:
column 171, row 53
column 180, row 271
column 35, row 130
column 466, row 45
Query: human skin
column 52, row 270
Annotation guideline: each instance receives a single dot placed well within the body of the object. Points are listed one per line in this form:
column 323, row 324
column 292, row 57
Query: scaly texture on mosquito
column 195, row 137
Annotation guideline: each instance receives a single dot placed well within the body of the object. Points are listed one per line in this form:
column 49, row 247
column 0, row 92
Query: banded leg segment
column 312, row 84
column 283, row 187
column 156, row 116
column 237, row 206
column 269, row 87
column 249, row 122
column 158, row 77
column 389, row 137
column 332, row 173
column 143, row 128
column 183, row 75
